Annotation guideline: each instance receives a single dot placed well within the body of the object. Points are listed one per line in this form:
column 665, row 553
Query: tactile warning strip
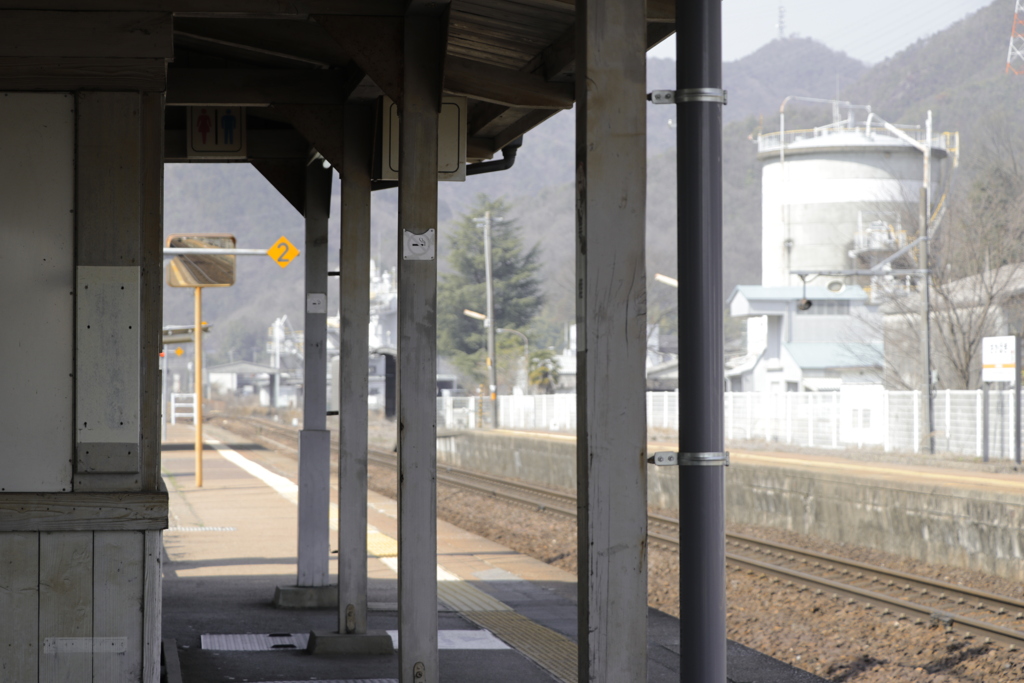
column 380, row 545
column 549, row 649
column 463, row 597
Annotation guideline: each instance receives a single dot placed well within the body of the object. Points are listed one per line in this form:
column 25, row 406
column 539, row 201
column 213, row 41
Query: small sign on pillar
column 216, row 132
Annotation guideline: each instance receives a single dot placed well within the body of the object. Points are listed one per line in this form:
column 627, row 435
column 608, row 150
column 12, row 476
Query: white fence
column 183, row 407
column 854, row 417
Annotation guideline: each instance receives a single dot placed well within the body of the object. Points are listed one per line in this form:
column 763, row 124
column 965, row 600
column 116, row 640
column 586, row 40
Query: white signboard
column 998, row 363
column 216, row 132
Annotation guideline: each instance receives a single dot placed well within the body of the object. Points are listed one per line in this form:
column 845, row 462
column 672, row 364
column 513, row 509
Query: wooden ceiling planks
column 299, row 40
column 528, row 36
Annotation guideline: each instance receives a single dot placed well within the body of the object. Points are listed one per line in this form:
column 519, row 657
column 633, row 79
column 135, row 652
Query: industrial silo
column 844, row 195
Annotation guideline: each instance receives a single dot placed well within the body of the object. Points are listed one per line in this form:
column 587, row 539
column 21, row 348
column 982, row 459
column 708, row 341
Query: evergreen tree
column 517, row 290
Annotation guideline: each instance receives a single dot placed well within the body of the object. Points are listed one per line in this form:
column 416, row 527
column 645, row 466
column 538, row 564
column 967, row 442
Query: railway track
column 889, row 593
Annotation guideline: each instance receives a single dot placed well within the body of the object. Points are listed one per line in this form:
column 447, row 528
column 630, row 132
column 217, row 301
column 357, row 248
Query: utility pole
column 926, row 344
column 197, row 411
column 526, row 352
column 489, row 323
column 278, row 333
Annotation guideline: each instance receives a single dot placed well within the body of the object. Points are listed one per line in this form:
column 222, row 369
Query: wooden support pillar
column 314, row 439
column 611, row 322
column 354, row 295
column 352, row 636
column 417, row 351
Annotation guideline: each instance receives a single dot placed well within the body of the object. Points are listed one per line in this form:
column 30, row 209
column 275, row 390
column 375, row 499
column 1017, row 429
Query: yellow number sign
column 283, row 252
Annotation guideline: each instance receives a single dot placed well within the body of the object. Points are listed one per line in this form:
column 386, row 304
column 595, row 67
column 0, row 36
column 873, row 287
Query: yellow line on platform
column 549, row 649
column 739, row 457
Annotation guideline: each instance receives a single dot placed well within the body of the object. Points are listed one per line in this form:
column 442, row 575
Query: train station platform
column 503, row 617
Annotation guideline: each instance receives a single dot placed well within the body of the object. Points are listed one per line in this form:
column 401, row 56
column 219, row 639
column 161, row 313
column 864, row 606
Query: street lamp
column 666, row 280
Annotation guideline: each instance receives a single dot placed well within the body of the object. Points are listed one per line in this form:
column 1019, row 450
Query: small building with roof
column 806, row 339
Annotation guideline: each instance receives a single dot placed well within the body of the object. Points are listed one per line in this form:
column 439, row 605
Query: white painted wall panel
column 107, row 323
column 37, row 133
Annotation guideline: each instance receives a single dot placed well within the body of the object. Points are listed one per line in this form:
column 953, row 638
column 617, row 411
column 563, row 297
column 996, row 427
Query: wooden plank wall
column 74, row 606
column 80, row 592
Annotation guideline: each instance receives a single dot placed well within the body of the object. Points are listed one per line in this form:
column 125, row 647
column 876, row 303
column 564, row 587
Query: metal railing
column 768, row 142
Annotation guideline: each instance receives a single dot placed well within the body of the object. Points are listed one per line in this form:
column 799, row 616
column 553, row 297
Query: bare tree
column 977, row 277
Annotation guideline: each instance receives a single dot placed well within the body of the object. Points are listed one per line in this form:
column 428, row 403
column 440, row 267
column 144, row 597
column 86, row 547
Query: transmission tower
column 1015, row 55
column 782, row 21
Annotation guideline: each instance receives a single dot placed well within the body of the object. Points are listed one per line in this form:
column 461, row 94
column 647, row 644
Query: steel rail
column 891, row 578
column 549, row 500
column 897, row 606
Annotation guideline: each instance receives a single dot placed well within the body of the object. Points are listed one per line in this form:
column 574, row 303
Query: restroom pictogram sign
column 216, row 132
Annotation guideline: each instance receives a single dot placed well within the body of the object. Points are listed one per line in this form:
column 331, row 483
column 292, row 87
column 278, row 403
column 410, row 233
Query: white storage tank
column 842, row 195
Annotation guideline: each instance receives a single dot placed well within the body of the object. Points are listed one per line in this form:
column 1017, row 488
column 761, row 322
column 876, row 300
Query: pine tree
column 517, row 290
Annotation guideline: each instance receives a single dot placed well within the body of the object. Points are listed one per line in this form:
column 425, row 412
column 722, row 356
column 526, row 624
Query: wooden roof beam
column 660, row 11
column 226, row 8
column 260, row 87
column 375, row 44
column 323, row 126
column 504, row 86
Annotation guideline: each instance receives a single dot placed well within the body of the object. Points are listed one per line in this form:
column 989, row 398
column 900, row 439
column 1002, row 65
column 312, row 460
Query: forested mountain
column 958, row 73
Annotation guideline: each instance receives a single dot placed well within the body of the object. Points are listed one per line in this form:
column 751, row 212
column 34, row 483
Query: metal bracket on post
column 714, row 95
column 671, row 458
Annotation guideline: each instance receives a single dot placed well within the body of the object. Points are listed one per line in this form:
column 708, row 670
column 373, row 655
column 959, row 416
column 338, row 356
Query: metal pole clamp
column 671, row 458
column 713, row 95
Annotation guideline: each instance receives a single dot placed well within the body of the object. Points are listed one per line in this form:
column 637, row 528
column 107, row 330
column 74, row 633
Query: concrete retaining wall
column 965, row 528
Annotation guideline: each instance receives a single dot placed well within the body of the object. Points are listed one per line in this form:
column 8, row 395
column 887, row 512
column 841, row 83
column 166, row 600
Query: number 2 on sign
column 283, row 252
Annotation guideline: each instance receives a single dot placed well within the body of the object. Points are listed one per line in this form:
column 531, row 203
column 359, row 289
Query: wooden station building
column 96, row 95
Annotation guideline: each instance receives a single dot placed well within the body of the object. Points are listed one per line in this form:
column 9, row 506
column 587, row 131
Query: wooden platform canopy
column 94, row 97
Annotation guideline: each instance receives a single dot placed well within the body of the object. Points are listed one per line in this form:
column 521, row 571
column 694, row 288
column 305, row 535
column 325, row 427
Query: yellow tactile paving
column 464, row 598
column 549, row 649
column 380, row 545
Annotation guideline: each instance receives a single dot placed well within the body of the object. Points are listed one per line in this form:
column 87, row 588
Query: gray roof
column 759, row 293
column 242, row 367
column 823, row 355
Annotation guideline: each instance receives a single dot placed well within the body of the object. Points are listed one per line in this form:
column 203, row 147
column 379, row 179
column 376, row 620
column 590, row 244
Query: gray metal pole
column 416, row 381
column 984, row 422
column 492, row 366
column 926, row 342
column 314, row 439
column 1016, row 400
column 701, row 376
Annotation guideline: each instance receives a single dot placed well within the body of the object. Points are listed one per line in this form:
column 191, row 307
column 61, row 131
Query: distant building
column 834, row 197
column 662, row 361
column 836, row 341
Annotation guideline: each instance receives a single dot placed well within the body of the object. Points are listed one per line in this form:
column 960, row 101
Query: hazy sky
column 868, row 30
